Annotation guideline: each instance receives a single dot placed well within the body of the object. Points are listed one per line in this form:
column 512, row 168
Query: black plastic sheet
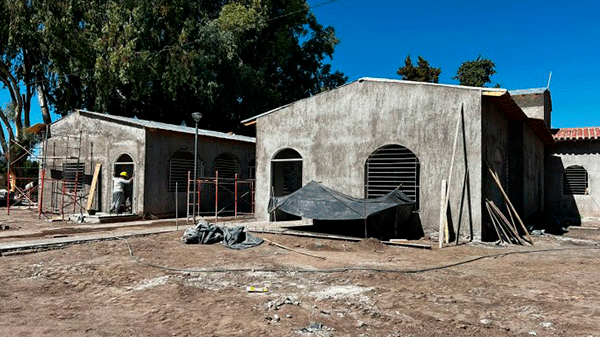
column 234, row 238
column 315, row 201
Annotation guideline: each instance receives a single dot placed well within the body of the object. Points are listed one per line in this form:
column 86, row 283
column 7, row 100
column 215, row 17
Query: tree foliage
column 421, row 73
column 163, row 59
column 475, row 73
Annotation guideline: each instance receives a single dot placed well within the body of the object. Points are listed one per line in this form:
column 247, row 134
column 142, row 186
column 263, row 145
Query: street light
column 196, row 117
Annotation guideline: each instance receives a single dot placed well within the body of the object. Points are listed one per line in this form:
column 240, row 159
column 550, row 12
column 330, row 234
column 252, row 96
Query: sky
column 525, row 39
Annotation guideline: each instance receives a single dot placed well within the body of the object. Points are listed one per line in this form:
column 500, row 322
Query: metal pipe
column 195, row 171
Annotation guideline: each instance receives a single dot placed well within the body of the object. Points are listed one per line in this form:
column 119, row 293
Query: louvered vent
column 575, row 180
column 227, row 167
column 73, row 176
column 179, row 165
column 388, row 167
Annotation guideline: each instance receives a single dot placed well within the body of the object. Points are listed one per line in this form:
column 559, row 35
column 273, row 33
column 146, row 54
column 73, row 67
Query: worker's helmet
column 123, row 174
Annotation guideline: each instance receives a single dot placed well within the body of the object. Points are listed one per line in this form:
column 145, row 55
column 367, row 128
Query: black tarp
column 234, row 238
column 315, row 201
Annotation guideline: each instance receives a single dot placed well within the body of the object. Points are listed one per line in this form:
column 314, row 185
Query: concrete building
column 159, row 155
column 367, row 137
column 573, row 174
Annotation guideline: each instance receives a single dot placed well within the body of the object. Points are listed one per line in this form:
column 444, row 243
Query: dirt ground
column 361, row 289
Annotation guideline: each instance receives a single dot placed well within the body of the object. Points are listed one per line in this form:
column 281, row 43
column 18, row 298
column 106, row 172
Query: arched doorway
column 286, row 177
column 124, row 163
column 390, row 166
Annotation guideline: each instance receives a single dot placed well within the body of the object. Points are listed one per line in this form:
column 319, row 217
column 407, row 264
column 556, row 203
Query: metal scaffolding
column 61, row 176
column 22, row 186
column 236, row 196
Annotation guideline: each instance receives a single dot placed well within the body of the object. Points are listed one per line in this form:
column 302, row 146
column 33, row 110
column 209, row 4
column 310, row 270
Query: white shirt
column 119, row 184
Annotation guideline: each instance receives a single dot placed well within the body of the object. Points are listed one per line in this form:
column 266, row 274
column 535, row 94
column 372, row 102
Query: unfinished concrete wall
column 335, row 132
column 533, row 173
column 517, row 155
column 101, row 142
column 536, row 105
column 558, row 158
column 161, row 145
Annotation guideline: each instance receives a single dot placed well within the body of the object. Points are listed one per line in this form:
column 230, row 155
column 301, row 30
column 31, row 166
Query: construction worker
column 119, row 191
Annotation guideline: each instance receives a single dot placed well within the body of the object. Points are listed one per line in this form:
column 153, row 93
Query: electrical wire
column 343, row 269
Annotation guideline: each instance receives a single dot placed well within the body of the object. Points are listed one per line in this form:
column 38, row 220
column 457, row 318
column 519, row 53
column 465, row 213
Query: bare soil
column 173, row 289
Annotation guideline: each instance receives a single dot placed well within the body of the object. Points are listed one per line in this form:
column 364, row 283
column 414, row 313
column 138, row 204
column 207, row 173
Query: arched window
column 575, row 180
column 180, row 163
column 124, row 163
column 390, row 166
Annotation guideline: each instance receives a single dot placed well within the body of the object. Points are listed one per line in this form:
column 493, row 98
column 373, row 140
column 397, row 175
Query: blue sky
column 526, row 39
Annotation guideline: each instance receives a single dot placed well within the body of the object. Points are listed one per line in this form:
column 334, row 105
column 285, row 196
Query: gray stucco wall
column 101, row 142
column 335, row 132
column 161, row 145
column 561, row 156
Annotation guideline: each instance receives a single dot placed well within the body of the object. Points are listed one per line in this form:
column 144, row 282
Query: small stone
column 547, row 325
column 361, row 324
column 288, row 316
column 532, row 333
column 276, row 318
column 485, row 321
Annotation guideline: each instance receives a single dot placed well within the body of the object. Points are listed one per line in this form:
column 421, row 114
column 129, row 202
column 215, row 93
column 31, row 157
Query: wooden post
column 442, row 212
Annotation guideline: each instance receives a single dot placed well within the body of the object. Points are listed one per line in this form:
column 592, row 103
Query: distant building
column 369, row 136
column 159, row 155
column 573, row 174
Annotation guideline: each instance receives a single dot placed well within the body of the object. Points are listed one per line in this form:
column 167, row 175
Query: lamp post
column 196, row 117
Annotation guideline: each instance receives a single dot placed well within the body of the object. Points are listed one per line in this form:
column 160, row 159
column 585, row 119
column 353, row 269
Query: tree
column 163, row 59
column 421, row 73
column 475, row 73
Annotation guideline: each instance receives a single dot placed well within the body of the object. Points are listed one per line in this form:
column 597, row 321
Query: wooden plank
column 510, row 226
column 493, row 93
column 446, row 230
column 335, row 237
column 93, row 187
column 294, row 250
column 442, row 213
column 487, row 205
column 510, row 205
